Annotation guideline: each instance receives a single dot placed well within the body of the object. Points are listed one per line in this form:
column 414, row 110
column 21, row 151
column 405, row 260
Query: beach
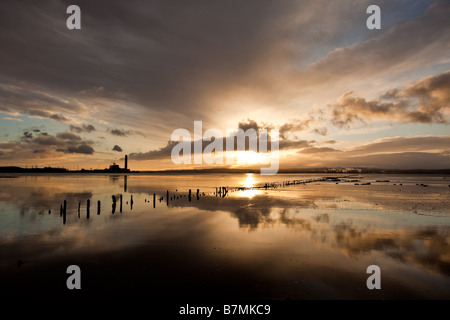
column 297, row 241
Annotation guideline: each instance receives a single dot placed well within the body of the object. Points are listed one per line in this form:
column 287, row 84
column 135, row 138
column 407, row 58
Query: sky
column 339, row 94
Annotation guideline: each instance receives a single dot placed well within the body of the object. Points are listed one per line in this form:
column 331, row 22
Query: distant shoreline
column 51, row 170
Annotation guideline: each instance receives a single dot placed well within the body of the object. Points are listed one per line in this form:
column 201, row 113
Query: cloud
column 294, row 144
column 20, row 98
column 46, row 114
column 293, row 126
column 165, row 152
column 177, row 65
column 399, row 160
column 27, row 135
column 84, row 128
column 148, row 67
column 318, row 150
column 48, row 145
column 120, row 133
column 117, row 148
column 391, row 51
column 323, row 131
column 82, row 148
column 58, row 117
column 250, row 124
column 12, row 119
column 404, row 144
column 426, row 101
column 68, row 136
column 47, row 140
column 390, row 153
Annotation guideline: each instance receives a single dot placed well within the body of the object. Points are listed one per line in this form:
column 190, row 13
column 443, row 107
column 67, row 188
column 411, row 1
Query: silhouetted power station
column 115, row 168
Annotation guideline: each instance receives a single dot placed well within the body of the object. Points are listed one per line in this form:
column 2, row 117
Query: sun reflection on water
column 249, row 183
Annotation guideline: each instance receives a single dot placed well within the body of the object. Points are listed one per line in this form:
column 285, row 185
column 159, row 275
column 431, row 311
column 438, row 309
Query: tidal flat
column 297, row 241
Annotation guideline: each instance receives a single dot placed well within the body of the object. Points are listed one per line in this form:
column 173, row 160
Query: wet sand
column 311, row 241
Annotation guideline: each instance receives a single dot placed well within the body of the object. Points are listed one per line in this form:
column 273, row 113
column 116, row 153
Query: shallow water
column 304, row 241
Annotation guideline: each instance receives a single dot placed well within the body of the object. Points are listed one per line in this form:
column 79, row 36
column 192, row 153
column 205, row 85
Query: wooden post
column 198, row 191
column 154, row 200
column 167, row 197
column 79, row 204
column 120, row 203
column 113, row 204
column 64, row 212
column 98, row 207
column 189, row 195
column 88, row 208
column 131, row 202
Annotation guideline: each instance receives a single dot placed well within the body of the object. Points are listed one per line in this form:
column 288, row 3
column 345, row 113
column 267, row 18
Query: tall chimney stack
column 126, row 162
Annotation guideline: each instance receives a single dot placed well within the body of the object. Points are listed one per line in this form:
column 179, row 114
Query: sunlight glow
column 250, row 182
column 250, row 157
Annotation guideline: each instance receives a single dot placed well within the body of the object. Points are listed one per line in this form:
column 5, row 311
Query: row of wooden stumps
column 197, row 196
column 63, row 207
column 221, row 191
column 170, row 198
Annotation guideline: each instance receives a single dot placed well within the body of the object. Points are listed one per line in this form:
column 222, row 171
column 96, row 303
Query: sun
column 249, row 157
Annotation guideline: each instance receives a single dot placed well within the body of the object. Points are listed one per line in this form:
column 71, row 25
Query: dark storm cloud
column 166, row 56
column 173, row 57
column 117, row 148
